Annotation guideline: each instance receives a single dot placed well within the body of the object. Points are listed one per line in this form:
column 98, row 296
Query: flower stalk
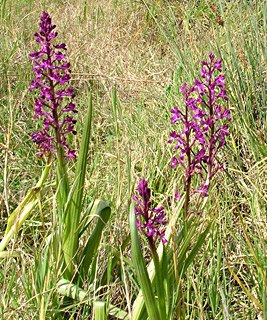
column 54, row 104
column 203, row 135
column 150, row 221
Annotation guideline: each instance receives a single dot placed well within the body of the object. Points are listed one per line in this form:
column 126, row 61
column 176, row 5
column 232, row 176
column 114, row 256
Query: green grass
column 142, row 51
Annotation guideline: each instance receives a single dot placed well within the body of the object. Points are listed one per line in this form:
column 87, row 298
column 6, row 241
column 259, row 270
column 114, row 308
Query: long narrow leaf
column 103, row 214
column 260, row 267
column 100, row 310
column 68, row 289
column 9, row 254
column 115, row 259
column 23, row 211
column 249, row 294
column 196, row 248
column 73, row 214
column 141, row 270
column 139, row 305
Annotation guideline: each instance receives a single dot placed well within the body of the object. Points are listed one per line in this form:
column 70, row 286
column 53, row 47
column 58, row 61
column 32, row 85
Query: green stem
column 142, row 274
column 187, row 180
column 159, row 279
column 62, row 179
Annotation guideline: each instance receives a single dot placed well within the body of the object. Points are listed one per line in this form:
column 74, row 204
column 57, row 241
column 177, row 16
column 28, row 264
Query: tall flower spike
column 149, row 220
column 203, row 134
column 54, row 104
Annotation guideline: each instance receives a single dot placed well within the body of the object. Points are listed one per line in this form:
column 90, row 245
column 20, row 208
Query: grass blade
column 196, row 248
column 248, row 293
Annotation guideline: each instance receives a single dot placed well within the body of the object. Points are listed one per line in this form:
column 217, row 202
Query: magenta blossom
column 149, row 220
column 54, row 104
column 204, row 129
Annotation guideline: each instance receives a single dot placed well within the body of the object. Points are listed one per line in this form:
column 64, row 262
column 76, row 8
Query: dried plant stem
column 8, row 139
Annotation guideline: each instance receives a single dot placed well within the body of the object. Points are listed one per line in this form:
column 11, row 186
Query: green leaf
column 250, row 245
column 73, row 212
column 10, row 254
column 247, row 292
column 68, row 289
column 196, row 249
column 141, row 270
column 102, row 211
column 100, row 310
column 116, row 259
column 24, row 209
column 139, row 305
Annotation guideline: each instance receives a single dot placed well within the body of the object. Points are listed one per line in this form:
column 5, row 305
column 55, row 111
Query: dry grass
column 116, row 44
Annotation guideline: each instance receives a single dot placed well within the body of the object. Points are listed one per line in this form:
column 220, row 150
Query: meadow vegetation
column 132, row 57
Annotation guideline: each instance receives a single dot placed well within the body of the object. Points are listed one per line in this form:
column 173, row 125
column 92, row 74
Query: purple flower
column 203, row 133
column 203, row 190
column 150, row 220
column 54, row 103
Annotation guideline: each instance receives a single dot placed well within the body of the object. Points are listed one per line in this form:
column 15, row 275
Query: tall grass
column 134, row 56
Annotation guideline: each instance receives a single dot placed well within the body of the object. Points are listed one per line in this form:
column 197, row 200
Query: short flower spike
column 149, row 220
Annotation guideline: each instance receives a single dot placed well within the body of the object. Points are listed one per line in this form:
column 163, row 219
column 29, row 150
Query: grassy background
column 142, row 51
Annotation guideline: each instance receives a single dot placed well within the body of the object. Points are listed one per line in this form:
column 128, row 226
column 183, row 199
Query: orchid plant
column 203, row 134
column 52, row 75
column 204, row 131
column 54, row 105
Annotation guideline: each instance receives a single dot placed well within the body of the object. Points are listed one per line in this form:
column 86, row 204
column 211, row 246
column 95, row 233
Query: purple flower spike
column 149, row 220
column 204, row 130
column 54, row 103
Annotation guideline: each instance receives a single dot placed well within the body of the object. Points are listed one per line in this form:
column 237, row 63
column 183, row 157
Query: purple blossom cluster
column 54, row 103
column 204, row 130
column 150, row 220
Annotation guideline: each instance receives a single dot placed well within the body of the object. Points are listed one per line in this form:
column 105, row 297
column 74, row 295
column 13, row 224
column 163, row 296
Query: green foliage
column 144, row 51
column 72, row 212
column 142, row 274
